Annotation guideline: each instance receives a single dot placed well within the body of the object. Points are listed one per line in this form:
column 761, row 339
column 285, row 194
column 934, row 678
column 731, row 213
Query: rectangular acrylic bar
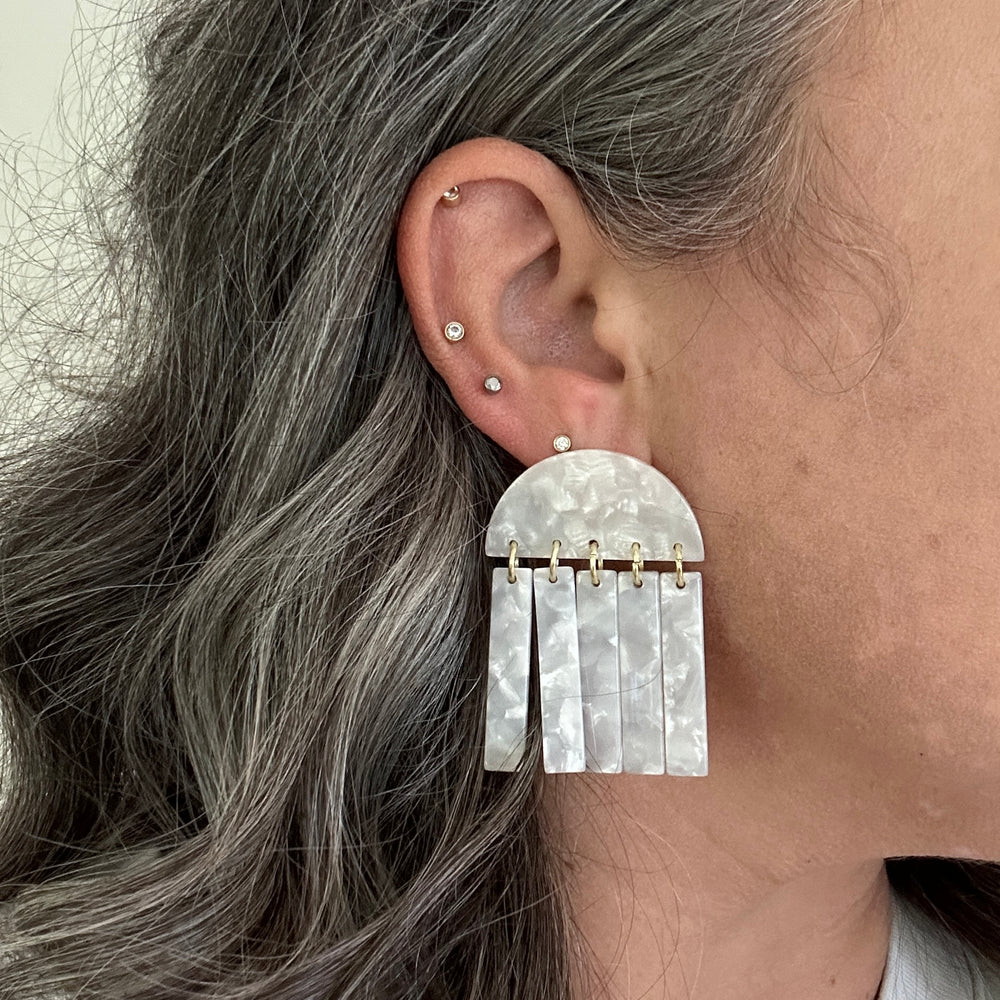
column 559, row 671
column 597, row 612
column 510, row 659
column 684, row 675
column 641, row 676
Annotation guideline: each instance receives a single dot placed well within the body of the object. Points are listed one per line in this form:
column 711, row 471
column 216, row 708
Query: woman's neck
column 684, row 918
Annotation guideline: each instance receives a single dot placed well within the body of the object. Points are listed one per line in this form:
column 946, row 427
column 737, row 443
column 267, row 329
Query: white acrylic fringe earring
column 621, row 654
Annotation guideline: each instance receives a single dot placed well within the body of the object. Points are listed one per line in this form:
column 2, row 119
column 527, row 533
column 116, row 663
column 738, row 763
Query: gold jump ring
column 596, row 563
column 678, row 552
column 512, row 563
column 554, row 561
column 636, row 564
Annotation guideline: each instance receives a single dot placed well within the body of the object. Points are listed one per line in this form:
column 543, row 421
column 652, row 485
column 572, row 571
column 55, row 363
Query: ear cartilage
column 621, row 661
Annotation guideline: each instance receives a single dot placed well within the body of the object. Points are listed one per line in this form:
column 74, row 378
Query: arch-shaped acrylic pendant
column 621, row 654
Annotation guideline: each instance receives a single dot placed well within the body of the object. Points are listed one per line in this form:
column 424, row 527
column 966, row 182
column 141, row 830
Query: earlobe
column 505, row 281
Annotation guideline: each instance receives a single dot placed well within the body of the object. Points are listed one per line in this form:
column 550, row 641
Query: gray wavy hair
column 243, row 589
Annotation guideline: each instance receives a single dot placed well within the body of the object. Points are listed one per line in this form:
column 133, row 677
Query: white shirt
column 927, row 963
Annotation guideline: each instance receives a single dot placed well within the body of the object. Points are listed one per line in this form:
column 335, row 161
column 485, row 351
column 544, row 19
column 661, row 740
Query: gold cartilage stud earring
column 451, row 195
column 454, row 331
column 561, row 442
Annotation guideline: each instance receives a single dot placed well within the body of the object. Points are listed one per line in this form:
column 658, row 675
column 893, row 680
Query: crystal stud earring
column 454, row 331
column 561, row 442
column 492, row 384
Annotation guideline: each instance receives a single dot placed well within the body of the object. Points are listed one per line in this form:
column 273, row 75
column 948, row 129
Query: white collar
column 927, row 963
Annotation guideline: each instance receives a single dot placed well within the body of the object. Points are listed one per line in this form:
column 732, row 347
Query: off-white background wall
column 34, row 44
column 46, row 47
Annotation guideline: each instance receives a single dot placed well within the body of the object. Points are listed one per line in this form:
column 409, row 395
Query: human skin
column 852, row 592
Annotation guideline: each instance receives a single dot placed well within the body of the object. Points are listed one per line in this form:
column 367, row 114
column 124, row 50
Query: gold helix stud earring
column 451, row 195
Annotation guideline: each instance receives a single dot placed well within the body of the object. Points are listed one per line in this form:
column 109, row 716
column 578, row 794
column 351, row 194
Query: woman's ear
column 546, row 310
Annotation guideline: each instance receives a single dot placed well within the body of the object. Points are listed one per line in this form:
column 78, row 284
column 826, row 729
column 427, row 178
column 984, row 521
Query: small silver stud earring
column 454, row 331
column 492, row 384
column 451, row 195
column 561, row 442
